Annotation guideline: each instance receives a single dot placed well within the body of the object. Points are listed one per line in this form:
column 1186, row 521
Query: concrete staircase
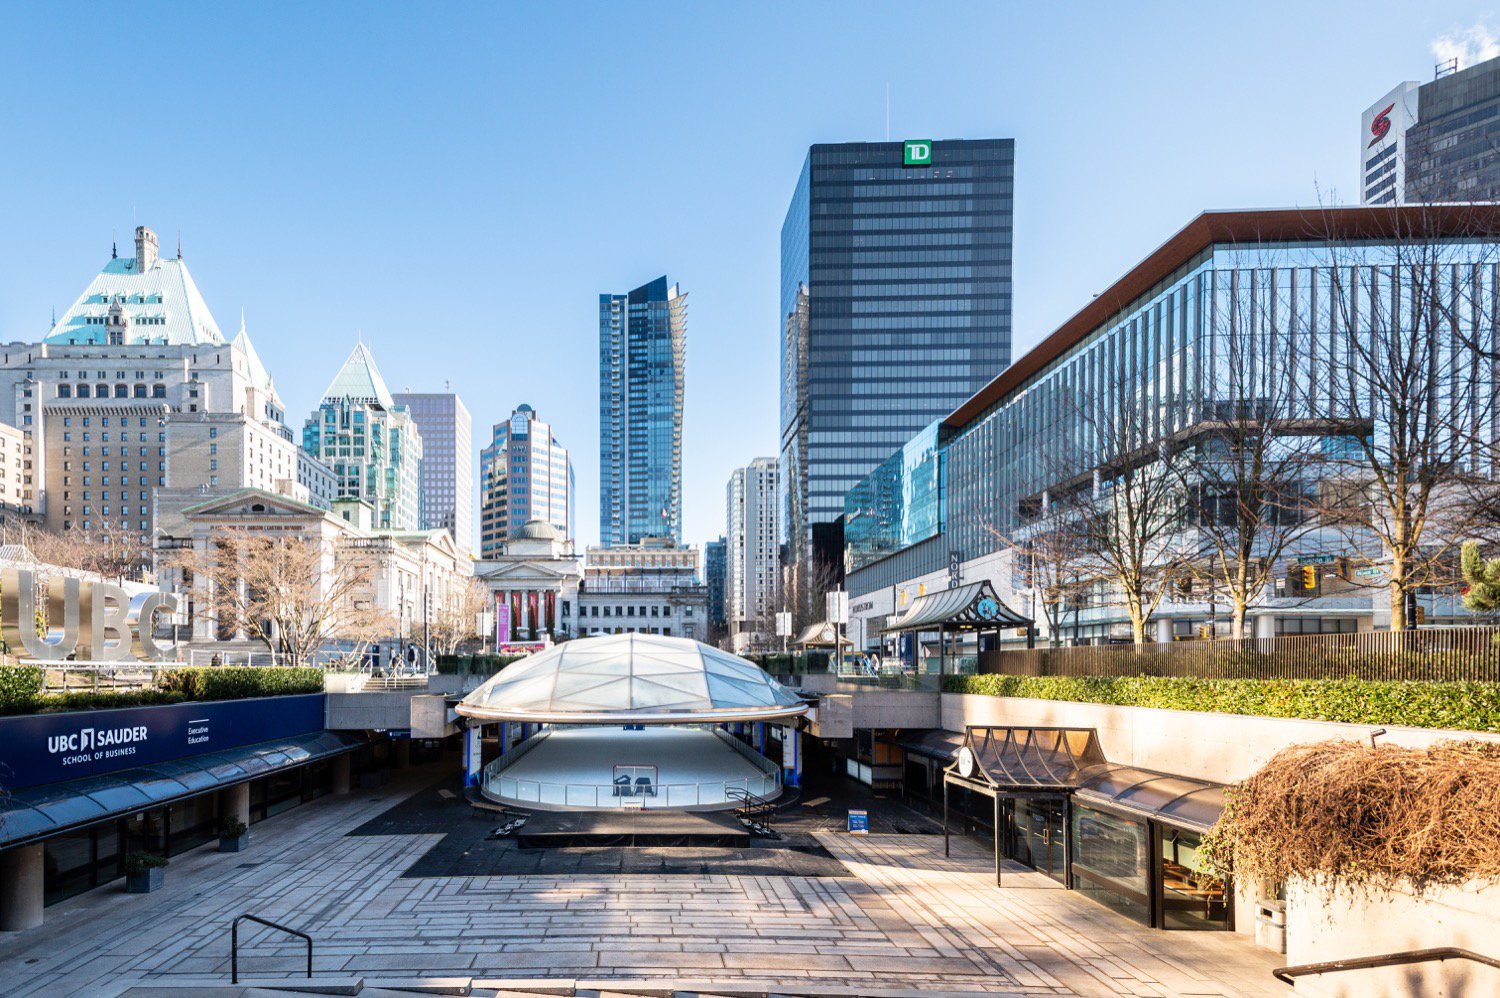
column 426, row 987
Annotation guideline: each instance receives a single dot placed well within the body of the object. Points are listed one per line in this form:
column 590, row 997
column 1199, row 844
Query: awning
column 1176, row 800
column 820, row 635
column 1010, row 759
column 940, row 745
column 40, row 812
column 970, row 607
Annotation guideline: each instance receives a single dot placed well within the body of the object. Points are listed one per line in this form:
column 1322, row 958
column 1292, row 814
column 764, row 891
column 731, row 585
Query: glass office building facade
column 447, row 474
column 895, row 307
column 642, row 355
column 1453, row 151
column 897, row 505
column 1155, row 352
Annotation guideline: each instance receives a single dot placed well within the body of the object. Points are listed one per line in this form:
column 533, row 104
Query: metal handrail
column 234, row 943
column 1286, row 974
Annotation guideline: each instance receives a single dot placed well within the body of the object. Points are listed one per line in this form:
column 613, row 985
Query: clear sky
column 460, row 181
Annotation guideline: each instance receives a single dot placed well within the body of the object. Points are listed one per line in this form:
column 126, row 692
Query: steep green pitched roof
column 163, row 303
column 359, row 380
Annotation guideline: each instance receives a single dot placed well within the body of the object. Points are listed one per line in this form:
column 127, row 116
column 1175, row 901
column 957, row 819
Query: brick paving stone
column 906, row 919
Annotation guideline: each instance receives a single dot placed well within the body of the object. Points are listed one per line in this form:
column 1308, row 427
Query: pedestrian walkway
column 905, row 917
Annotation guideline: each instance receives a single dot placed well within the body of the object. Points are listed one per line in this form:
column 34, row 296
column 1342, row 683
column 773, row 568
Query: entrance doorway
column 1034, row 834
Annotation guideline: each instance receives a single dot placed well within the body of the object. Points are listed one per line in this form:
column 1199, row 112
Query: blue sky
column 460, row 181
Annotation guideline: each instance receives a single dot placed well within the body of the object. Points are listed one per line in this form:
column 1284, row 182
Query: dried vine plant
column 1344, row 815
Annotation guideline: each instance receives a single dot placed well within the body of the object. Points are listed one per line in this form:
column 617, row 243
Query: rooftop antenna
column 114, row 245
column 1445, row 68
column 179, row 244
column 888, row 111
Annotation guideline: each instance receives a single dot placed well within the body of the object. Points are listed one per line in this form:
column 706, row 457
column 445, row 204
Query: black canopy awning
column 40, row 812
column 971, row 607
column 940, row 745
column 1176, row 800
column 1010, row 760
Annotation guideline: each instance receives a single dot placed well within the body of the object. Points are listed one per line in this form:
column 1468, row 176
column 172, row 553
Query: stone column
column 234, row 802
column 21, row 888
column 342, row 767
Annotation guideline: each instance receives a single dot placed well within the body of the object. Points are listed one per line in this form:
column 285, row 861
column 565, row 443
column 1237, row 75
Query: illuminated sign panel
column 917, row 152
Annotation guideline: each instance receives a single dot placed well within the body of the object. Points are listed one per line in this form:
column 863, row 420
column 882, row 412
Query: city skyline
column 726, row 255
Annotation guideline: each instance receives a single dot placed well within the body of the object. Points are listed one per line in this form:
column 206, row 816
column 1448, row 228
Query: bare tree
column 1255, row 451
column 114, row 555
column 456, row 621
column 288, row 592
column 1409, row 351
column 1056, row 567
column 1120, row 498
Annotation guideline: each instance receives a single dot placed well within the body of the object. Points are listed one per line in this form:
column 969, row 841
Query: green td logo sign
column 918, row 152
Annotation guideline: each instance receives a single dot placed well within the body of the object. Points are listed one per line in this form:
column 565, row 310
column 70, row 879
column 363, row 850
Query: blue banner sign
column 859, row 822
column 48, row 748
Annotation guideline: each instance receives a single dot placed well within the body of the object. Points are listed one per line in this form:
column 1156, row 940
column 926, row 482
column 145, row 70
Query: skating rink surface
column 576, row 768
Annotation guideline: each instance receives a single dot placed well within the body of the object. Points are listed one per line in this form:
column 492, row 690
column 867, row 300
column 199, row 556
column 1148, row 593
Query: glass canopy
column 636, row 678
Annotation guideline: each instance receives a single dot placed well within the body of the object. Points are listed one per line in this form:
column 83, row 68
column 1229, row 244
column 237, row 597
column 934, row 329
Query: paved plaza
column 900, row 916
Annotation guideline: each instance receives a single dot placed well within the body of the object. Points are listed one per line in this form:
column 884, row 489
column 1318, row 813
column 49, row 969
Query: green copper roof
column 359, row 380
column 163, row 305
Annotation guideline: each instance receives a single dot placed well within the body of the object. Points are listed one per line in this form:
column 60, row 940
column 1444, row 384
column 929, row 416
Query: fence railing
column 1451, row 654
column 508, row 789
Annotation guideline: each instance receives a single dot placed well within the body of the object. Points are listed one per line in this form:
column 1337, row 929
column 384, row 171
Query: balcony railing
column 1446, row 654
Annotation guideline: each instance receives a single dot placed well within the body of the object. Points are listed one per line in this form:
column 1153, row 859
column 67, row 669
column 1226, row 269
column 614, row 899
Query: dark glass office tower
column 642, row 344
column 895, row 308
column 1453, row 151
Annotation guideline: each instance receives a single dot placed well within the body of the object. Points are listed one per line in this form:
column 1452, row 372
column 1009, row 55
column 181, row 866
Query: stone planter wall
column 1323, row 925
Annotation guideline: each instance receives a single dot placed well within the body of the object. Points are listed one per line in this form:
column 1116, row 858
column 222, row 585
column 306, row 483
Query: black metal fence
column 1449, row 654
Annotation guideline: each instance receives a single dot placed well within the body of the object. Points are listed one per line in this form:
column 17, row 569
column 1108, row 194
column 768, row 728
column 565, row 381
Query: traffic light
column 1309, row 578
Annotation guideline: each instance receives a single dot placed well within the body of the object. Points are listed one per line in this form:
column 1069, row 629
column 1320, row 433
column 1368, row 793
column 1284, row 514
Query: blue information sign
column 859, row 822
column 48, row 748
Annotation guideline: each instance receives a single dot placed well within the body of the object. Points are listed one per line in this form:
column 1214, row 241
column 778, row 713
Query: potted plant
column 233, row 835
column 143, row 872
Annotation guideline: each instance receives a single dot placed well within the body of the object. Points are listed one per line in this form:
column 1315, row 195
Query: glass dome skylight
column 637, row 678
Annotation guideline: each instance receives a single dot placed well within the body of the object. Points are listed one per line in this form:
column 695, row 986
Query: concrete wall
column 1218, row 747
column 1322, row 926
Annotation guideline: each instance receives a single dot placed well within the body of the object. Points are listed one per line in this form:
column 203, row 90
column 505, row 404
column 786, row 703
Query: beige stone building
column 412, row 576
column 135, row 389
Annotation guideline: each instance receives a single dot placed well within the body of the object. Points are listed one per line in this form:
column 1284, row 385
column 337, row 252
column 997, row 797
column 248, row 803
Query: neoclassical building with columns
column 533, row 583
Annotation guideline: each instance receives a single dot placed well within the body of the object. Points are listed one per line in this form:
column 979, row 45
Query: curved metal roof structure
column 631, row 678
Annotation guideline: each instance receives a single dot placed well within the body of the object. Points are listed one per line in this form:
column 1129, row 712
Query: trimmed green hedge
column 1469, row 706
column 474, row 665
column 792, row 663
column 21, row 688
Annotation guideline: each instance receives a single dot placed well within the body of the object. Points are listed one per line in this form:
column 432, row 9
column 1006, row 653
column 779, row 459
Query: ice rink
column 611, row 767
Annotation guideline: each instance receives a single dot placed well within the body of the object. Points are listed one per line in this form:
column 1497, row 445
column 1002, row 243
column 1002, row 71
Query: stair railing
column 234, row 943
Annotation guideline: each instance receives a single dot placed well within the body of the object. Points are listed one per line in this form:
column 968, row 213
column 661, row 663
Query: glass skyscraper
column 642, row 345
column 527, row 475
column 895, row 308
column 447, row 474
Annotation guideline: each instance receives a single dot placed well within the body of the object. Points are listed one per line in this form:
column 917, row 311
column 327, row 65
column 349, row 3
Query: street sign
column 784, row 624
column 859, row 822
column 837, row 605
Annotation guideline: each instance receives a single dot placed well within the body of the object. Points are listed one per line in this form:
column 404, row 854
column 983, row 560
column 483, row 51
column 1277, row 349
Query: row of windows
column 83, row 390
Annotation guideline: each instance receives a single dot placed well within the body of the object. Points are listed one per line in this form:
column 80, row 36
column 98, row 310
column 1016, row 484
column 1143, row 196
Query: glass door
column 1036, row 834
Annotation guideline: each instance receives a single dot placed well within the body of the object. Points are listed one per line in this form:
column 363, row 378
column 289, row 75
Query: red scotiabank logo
column 1381, row 126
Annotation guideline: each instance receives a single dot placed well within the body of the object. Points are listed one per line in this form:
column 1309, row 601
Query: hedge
column 474, row 665
column 21, row 688
column 792, row 663
column 1471, row 706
